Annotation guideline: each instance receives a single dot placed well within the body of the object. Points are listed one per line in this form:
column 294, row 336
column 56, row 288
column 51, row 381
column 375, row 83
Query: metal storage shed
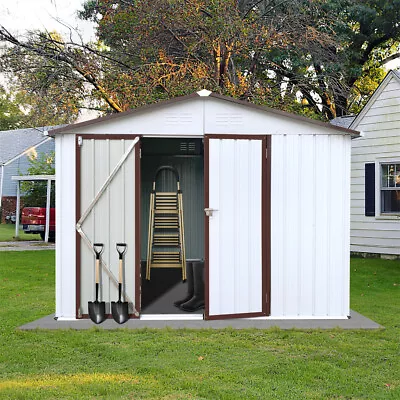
column 275, row 188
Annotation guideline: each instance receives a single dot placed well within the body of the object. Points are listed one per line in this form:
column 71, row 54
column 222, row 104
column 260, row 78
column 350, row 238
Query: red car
column 33, row 220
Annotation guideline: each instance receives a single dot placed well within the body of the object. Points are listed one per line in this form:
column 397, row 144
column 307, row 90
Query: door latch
column 209, row 211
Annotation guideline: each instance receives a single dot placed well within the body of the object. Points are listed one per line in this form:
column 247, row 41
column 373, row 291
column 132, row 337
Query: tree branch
column 62, row 56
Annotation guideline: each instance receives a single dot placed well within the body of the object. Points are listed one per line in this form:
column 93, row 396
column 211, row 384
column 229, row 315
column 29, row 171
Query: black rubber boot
column 197, row 301
column 190, row 286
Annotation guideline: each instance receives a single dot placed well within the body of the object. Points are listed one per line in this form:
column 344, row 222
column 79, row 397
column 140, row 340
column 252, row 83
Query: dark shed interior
column 186, row 156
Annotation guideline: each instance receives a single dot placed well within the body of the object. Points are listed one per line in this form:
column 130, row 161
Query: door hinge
column 140, row 153
column 266, row 153
column 80, row 141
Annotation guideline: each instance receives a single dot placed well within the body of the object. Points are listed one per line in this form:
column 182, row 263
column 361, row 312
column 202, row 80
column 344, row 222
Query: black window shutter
column 370, row 190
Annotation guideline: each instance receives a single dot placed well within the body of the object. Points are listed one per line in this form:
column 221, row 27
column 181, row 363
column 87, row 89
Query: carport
column 22, row 178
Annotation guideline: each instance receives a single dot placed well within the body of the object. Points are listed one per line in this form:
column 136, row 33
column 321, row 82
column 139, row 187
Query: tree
column 175, row 47
column 11, row 116
column 328, row 52
column 49, row 91
column 155, row 50
column 307, row 56
column 366, row 32
column 369, row 32
column 35, row 192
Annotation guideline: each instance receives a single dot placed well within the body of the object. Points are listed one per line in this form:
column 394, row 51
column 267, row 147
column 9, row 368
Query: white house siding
column 380, row 125
column 65, row 226
column 310, row 225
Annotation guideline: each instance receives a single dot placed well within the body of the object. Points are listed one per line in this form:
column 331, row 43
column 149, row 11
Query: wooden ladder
column 166, row 238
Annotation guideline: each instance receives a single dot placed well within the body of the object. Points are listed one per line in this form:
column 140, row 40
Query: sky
column 20, row 15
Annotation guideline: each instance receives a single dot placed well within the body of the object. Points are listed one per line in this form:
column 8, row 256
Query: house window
column 390, row 188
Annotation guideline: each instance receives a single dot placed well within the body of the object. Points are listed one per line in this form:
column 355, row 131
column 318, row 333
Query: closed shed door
column 235, row 260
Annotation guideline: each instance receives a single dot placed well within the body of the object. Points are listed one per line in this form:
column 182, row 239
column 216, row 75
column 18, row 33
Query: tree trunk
column 341, row 105
column 222, row 54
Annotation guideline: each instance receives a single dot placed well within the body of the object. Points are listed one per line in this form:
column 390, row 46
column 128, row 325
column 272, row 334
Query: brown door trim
column 138, row 185
column 77, row 236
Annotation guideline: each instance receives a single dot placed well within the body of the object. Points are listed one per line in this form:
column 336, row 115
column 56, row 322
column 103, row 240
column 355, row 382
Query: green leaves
column 11, row 116
column 35, row 192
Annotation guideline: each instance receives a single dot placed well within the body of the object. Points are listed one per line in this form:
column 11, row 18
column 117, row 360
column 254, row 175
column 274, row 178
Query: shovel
column 119, row 309
column 97, row 309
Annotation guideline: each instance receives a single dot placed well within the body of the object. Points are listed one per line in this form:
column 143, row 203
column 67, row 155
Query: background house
column 375, row 172
column 16, row 146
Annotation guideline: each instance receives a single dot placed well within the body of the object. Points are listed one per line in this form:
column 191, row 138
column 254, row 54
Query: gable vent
column 178, row 118
column 229, row 119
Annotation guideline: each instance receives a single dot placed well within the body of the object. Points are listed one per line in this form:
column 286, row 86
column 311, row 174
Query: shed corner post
column 47, row 228
column 17, row 210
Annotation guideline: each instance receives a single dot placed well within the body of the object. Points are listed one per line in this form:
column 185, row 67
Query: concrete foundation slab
column 357, row 321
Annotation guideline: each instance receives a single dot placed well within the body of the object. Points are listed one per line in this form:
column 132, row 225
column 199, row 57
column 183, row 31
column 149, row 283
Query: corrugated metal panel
column 65, row 227
column 191, row 174
column 235, row 231
column 113, row 218
column 310, row 225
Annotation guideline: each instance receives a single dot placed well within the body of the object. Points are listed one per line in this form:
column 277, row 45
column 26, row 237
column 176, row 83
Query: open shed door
column 236, row 222
column 107, row 204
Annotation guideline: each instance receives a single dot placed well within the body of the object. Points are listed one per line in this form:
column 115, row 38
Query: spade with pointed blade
column 119, row 309
column 97, row 309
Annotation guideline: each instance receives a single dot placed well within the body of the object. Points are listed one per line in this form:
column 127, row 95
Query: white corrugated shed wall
column 65, row 226
column 381, row 142
column 310, row 225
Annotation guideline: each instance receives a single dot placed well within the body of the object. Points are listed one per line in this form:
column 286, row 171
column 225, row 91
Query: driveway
column 26, row 245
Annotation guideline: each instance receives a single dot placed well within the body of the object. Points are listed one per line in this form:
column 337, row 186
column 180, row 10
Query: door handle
column 209, row 211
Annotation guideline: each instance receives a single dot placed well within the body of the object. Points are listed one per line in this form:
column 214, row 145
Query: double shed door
column 236, row 222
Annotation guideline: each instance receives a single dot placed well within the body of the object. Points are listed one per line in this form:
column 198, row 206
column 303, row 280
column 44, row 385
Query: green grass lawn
column 190, row 364
column 7, row 233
